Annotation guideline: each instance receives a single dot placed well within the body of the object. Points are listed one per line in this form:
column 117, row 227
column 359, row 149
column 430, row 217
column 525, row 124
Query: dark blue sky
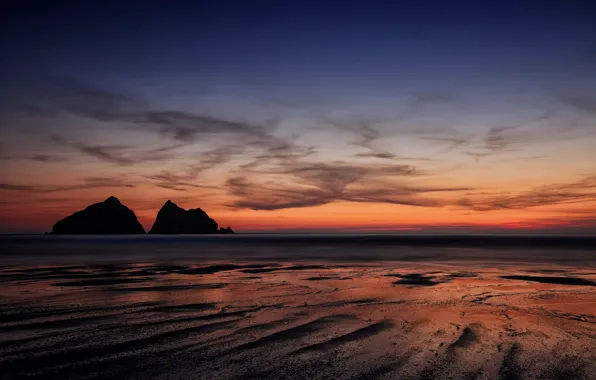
column 291, row 42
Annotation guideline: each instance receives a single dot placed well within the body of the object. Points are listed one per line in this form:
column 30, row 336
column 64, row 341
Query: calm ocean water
column 48, row 249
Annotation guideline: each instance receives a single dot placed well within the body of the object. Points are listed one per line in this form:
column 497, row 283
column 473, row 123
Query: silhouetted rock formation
column 109, row 217
column 225, row 230
column 172, row 219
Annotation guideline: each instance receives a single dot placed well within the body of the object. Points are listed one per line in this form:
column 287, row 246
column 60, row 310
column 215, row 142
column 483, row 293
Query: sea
column 61, row 249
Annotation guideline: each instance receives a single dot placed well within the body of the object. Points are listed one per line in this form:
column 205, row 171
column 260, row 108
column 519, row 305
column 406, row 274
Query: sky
column 279, row 116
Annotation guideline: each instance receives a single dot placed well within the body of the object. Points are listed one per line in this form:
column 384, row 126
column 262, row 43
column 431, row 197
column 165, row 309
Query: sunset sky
column 422, row 116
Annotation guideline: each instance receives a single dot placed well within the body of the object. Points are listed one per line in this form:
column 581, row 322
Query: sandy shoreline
column 302, row 320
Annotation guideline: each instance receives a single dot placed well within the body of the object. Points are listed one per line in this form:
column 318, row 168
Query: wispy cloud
column 274, row 150
column 106, row 106
column 108, row 153
column 186, row 127
column 450, row 143
column 313, row 184
column 122, row 155
column 35, row 157
column 564, row 193
column 79, row 99
column 277, row 172
column 261, row 151
column 185, row 177
column 584, row 103
column 369, row 137
column 498, row 140
column 89, row 183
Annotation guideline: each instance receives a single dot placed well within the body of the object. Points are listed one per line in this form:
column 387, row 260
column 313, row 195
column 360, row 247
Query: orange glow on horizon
column 337, row 216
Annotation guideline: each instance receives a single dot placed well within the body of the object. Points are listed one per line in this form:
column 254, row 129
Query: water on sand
column 200, row 318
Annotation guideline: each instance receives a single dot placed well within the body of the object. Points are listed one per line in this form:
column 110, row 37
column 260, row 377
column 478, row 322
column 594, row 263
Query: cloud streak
column 498, row 140
column 35, row 157
column 89, row 183
column 368, row 137
column 583, row 103
column 566, row 193
column 122, row 155
column 182, row 180
column 85, row 101
column 315, row 184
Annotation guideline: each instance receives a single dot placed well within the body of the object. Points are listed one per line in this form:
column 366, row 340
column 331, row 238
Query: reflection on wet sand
column 315, row 320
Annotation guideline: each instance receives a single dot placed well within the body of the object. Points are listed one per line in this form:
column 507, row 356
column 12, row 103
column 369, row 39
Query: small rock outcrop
column 172, row 219
column 109, row 217
column 225, row 230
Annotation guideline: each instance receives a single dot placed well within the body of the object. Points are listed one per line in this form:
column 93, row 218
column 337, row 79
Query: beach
column 298, row 320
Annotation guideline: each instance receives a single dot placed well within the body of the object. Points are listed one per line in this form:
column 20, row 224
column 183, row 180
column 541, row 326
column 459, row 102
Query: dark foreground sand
column 298, row 321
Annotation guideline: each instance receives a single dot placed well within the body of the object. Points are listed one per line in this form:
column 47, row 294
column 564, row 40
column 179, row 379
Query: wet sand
column 315, row 320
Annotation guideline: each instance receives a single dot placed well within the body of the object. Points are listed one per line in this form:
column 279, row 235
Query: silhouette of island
column 225, row 230
column 109, row 217
column 172, row 219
